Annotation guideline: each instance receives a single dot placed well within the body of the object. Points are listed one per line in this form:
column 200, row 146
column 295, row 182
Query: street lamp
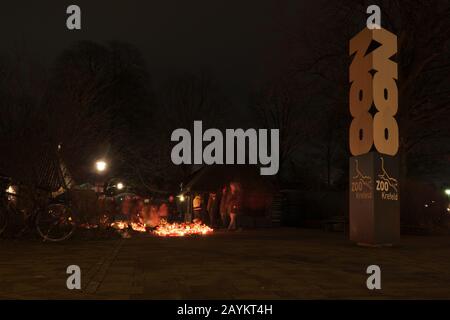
column 447, row 192
column 101, row 166
column 120, row 186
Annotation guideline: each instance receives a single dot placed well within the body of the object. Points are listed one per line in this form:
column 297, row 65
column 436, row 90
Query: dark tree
column 423, row 55
column 109, row 81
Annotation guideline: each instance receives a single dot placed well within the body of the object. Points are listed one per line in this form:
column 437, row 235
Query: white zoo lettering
column 382, row 185
column 357, row 186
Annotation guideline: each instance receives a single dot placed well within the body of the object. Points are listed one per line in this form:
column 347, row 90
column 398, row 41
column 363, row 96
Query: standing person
column 234, row 204
column 217, row 217
column 122, row 219
column 223, row 208
column 197, row 206
column 110, row 209
column 212, row 208
column 204, row 211
column 154, row 220
column 163, row 211
column 172, row 209
column 136, row 208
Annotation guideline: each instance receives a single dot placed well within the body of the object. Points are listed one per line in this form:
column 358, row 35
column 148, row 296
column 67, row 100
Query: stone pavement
column 252, row 264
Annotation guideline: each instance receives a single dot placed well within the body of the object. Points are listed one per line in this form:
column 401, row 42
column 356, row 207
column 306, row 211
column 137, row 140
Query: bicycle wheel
column 3, row 217
column 55, row 223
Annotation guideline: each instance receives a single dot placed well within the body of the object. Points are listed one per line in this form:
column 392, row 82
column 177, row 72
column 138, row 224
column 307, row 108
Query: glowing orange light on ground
column 165, row 229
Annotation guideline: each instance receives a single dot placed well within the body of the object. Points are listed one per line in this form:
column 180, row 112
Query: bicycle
column 51, row 217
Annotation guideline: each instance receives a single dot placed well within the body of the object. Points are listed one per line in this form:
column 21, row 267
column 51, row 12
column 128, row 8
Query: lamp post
column 100, row 166
column 447, row 192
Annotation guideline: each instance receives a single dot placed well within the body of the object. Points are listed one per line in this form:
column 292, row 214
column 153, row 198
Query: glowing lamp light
column 447, row 192
column 120, row 186
column 101, row 166
column 181, row 197
column 11, row 191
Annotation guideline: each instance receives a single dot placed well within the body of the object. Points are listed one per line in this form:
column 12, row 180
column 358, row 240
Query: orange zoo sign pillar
column 374, row 139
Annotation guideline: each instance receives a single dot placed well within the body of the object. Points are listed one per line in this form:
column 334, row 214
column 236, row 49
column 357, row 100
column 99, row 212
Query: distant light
column 447, row 192
column 11, row 191
column 181, row 197
column 120, row 186
column 101, row 165
column 426, row 206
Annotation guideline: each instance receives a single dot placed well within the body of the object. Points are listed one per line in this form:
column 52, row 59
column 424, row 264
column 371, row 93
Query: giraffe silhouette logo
column 361, row 179
column 386, row 179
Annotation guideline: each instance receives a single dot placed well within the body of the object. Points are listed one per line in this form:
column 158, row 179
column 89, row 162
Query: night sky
column 238, row 41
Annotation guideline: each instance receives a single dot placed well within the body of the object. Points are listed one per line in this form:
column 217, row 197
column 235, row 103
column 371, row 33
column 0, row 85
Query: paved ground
column 261, row 264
